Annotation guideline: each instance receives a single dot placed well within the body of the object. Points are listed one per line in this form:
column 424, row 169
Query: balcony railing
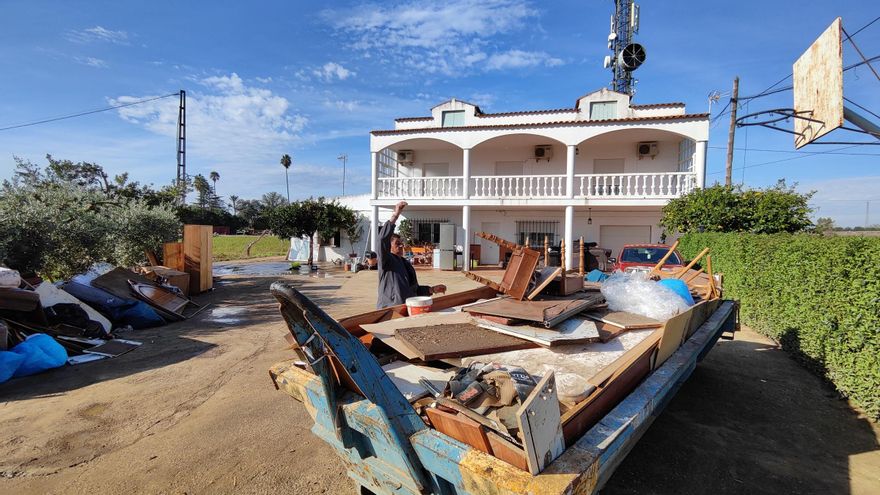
column 421, row 187
column 659, row 185
column 518, row 186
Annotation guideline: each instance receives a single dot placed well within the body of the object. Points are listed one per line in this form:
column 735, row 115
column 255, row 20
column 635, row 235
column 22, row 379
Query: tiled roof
column 412, row 119
column 658, row 105
column 529, row 112
column 693, row 116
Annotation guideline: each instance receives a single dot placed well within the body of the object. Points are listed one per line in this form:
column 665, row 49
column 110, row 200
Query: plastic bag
column 40, row 353
column 635, row 293
column 9, row 278
column 9, row 362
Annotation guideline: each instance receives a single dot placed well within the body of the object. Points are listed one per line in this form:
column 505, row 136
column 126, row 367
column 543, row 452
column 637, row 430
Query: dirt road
column 193, row 411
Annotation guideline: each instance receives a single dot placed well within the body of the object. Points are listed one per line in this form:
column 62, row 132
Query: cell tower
column 181, row 147
column 628, row 56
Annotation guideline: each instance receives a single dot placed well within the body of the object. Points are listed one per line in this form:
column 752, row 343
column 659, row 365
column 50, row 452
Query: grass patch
column 232, row 247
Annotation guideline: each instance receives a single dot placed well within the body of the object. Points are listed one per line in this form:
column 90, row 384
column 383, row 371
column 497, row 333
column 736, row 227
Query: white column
column 466, row 171
column 466, row 225
column 569, row 172
column 700, row 162
column 374, row 175
column 374, row 229
column 569, row 237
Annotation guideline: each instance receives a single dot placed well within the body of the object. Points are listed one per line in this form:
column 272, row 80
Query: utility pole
column 728, row 171
column 344, row 158
column 181, row 147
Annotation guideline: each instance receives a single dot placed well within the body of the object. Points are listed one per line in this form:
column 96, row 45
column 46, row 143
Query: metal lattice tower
column 628, row 56
column 181, row 147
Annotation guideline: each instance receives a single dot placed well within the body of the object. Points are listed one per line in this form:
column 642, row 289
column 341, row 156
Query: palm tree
column 286, row 162
column 214, row 178
column 233, row 202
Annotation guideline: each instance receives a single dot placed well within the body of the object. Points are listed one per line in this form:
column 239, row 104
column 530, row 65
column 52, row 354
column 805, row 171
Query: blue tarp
column 120, row 311
column 39, row 352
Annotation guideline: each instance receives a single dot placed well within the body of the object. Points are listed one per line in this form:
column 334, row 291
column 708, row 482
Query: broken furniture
column 517, row 276
column 198, row 257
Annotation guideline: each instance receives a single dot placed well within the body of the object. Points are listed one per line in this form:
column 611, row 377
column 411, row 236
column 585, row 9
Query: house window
column 686, row 149
column 453, row 118
column 602, row 110
column 534, row 231
column 427, row 231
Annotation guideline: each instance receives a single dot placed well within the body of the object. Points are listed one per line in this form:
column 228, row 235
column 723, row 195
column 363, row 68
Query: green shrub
column 819, row 297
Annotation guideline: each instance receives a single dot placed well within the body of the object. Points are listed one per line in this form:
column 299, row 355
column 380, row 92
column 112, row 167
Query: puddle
column 264, row 269
column 230, row 315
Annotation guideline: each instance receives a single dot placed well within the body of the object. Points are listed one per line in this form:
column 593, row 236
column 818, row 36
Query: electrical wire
column 787, row 159
column 863, row 27
column 796, row 152
column 89, row 112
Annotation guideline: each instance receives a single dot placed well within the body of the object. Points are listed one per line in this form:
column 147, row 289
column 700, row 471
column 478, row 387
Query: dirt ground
column 193, row 411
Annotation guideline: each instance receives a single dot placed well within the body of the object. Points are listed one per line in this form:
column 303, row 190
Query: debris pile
column 524, row 373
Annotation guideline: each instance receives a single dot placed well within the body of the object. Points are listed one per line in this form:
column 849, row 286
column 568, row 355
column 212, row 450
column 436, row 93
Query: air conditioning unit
column 648, row 149
column 405, row 157
column 543, row 152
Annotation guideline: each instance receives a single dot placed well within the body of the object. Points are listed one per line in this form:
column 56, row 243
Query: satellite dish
column 631, row 57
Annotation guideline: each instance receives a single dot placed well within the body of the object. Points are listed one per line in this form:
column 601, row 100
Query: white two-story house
column 602, row 169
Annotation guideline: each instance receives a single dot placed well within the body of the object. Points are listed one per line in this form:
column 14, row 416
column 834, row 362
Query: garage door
column 613, row 237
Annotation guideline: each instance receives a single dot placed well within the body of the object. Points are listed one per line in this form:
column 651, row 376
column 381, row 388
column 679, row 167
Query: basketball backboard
column 818, row 87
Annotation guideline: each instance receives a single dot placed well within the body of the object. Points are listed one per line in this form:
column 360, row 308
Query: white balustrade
column 661, row 185
column 421, row 187
column 518, row 186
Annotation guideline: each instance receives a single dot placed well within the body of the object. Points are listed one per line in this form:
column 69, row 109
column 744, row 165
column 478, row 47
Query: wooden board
column 540, row 425
column 519, row 272
column 113, row 348
column 116, row 282
column 571, row 331
column 608, row 332
column 197, row 257
column 507, row 451
column 457, row 340
column 405, row 377
column 650, row 342
column 179, row 279
column 172, row 255
column 161, row 298
column 818, row 86
column 545, row 276
column 541, row 311
column 459, row 427
column 674, row 333
column 623, row 319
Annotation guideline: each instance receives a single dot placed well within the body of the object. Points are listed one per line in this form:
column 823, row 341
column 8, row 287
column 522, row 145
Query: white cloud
column 439, row 38
column 347, row 105
column 264, row 80
column 91, row 62
column 331, row 71
column 519, row 59
column 98, row 33
column 227, row 121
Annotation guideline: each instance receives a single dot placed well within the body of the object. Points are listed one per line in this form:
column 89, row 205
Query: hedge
column 818, row 297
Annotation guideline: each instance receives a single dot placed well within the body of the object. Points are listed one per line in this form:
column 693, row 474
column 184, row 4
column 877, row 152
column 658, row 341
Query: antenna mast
column 181, row 147
column 627, row 56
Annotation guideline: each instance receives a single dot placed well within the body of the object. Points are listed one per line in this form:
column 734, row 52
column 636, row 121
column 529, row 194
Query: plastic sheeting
column 635, row 293
column 299, row 249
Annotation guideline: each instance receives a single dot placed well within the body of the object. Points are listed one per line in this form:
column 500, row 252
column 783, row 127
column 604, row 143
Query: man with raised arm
column 397, row 277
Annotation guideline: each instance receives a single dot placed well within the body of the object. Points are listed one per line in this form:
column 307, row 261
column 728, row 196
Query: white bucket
column 419, row 305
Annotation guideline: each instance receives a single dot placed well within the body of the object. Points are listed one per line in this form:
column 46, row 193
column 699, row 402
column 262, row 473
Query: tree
column 825, row 225
column 214, row 178
column 731, row 209
column 298, row 219
column 272, row 200
column 233, row 202
column 200, row 184
column 286, row 162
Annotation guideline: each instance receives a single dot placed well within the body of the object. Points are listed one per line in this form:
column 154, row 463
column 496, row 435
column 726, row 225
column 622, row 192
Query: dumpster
column 388, row 448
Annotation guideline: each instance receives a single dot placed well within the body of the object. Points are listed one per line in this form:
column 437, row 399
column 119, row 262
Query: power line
column 89, row 112
column 865, row 26
column 787, row 159
column 794, row 151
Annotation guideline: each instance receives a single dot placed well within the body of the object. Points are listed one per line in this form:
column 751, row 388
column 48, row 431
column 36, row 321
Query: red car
column 643, row 257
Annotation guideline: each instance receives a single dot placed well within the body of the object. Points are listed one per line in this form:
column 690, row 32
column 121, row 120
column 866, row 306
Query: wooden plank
column 623, row 319
column 457, row 340
column 483, row 280
column 405, row 377
column 151, row 257
column 674, row 333
column 459, row 427
column 172, row 255
column 545, row 276
column 540, row 426
column 572, row 331
column 197, row 252
column 507, row 451
column 608, row 331
column 665, row 257
column 541, row 311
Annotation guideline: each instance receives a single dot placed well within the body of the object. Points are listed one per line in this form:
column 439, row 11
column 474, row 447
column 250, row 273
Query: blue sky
column 313, row 78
